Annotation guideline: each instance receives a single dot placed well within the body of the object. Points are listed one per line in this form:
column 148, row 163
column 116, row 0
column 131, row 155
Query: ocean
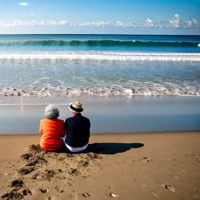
column 127, row 83
column 99, row 65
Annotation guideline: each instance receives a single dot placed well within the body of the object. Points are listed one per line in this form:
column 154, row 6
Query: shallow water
column 107, row 115
column 149, row 65
column 144, row 77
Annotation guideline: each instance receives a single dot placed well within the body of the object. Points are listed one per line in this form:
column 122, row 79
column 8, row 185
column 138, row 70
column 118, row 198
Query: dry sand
column 121, row 166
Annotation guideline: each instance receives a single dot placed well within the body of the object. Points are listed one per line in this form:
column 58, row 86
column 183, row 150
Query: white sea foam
column 103, row 92
column 101, row 55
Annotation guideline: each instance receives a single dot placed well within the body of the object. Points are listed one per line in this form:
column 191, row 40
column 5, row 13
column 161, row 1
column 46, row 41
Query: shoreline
column 61, row 100
column 111, row 134
column 107, row 114
column 99, row 92
column 132, row 166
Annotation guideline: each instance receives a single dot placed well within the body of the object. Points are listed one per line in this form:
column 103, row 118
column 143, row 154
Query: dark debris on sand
column 14, row 194
column 35, row 148
column 25, row 170
column 18, row 190
column 18, row 183
column 39, row 165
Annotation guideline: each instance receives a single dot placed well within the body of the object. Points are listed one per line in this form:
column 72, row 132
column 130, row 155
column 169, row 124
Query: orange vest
column 51, row 130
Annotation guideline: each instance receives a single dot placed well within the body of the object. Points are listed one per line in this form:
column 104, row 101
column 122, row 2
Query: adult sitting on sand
column 78, row 129
column 51, row 129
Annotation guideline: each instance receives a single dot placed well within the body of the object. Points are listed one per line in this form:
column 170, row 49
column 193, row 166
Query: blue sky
column 104, row 16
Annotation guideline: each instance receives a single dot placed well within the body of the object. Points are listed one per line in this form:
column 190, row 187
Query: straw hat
column 76, row 107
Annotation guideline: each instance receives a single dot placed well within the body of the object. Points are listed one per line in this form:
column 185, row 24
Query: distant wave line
column 103, row 43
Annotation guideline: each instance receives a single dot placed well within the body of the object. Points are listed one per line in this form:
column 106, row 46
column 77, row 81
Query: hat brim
column 76, row 111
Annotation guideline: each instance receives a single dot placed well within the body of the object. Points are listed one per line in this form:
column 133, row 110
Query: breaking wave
column 103, row 43
column 100, row 55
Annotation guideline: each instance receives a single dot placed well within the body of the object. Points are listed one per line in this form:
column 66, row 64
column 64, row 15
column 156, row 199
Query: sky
column 100, row 17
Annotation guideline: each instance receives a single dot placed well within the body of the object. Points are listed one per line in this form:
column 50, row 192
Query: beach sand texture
column 120, row 166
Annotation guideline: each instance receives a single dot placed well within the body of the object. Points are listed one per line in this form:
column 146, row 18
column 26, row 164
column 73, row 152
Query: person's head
column 76, row 108
column 51, row 112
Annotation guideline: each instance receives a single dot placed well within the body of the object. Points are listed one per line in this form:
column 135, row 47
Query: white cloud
column 32, row 13
column 23, row 4
column 148, row 20
column 174, row 22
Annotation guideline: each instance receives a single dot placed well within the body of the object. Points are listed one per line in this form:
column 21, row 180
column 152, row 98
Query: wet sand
column 107, row 115
column 122, row 166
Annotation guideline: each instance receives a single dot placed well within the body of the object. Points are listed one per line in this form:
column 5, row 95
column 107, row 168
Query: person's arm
column 89, row 128
column 62, row 132
column 65, row 125
column 40, row 129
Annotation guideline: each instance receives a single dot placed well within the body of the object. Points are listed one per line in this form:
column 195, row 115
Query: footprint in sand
column 176, row 177
column 50, row 198
column 155, row 195
column 169, row 187
column 43, row 190
column 57, row 188
column 86, row 195
column 145, row 159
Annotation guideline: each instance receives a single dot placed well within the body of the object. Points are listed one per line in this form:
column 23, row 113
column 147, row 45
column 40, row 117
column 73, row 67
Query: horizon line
column 97, row 34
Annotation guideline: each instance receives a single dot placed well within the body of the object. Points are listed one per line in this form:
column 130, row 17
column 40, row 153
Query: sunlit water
column 152, row 65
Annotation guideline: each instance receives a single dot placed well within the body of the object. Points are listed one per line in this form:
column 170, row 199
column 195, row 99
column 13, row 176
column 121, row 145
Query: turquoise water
column 153, row 77
column 149, row 71
column 141, row 43
column 99, row 65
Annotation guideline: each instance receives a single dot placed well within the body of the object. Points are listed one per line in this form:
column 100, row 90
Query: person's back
column 77, row 129
column 51, row 129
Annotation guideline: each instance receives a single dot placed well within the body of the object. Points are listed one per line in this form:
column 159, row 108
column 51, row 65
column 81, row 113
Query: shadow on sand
column 99, row 148
column 112, row 148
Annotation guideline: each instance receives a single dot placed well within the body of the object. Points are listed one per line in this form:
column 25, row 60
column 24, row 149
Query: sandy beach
column 120, row 166
column 136, row 76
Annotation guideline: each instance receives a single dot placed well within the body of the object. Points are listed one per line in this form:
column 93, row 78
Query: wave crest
column 103, row 43
column 96, row 55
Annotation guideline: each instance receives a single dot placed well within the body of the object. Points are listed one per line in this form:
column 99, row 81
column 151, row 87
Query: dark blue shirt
column 78, row 128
